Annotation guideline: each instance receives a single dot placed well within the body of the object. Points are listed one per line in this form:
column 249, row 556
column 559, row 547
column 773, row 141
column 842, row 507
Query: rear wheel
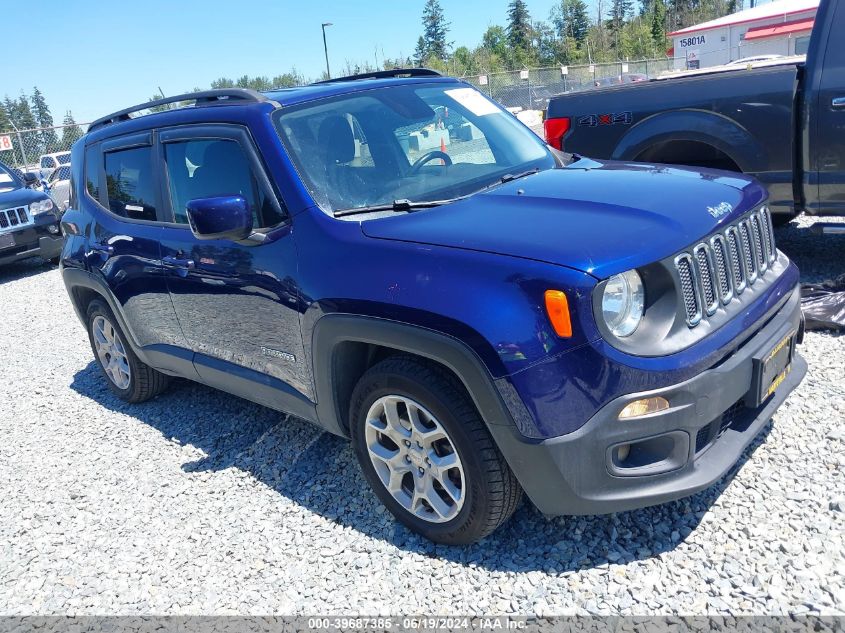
column 427, row 453
column 127, row 376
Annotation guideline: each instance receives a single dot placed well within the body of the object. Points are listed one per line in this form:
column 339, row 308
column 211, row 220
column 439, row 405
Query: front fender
column 701, row 126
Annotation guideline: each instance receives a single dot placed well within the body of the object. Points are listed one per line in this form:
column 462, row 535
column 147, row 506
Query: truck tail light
column 555, row 129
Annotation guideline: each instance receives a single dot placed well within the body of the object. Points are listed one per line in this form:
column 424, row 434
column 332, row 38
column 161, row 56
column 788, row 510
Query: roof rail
column 205, row 97
column 386, row 74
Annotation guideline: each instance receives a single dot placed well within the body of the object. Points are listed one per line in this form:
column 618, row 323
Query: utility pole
column 326, row 50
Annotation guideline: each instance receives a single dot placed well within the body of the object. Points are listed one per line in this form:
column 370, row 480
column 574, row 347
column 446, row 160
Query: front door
column 237, row 303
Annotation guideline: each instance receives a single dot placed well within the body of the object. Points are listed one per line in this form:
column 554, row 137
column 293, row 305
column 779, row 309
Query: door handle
column 178, row 262
column 838, row 103
column 102, row 249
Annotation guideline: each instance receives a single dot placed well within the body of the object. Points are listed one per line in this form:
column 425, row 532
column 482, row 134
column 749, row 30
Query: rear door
column 123, row 243
column 828, row 148
column 237, row 303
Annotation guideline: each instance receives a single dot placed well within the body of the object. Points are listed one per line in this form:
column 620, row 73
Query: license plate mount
column 771, row 368
column 7, row 241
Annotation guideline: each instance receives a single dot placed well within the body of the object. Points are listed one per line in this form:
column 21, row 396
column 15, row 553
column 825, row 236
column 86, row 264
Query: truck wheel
column 427, row 453
column 128, row 377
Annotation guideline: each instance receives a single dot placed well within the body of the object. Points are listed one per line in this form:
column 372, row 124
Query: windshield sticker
column 473, row 101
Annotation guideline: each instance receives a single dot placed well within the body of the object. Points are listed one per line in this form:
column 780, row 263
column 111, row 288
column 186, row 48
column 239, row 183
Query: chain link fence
column 531, row 89
column 35, row 150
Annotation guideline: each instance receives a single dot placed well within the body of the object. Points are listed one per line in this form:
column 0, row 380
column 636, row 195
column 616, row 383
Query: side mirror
column 220, row 218
column 30, row 179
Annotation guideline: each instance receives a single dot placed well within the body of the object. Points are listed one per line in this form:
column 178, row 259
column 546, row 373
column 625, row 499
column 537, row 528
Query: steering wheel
column 422, row 160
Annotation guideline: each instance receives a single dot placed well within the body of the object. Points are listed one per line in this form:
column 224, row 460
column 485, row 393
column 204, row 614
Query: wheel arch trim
column 700, row 126
column 334, row 329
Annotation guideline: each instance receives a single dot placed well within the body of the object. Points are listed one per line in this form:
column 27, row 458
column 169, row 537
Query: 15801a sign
column 695, row 40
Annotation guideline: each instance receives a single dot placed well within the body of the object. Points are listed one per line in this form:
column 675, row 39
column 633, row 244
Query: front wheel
column 427, row 453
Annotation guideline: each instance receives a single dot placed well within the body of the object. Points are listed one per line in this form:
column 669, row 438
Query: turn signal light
column 555, row 129
column 557, row 308
column 645, row 406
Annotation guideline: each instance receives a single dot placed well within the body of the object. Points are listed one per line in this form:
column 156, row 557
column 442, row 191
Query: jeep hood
column 20, row 197
column 598, row 217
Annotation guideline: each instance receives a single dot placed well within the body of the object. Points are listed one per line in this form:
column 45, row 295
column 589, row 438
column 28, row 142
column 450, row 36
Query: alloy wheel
column 415, row 459
column 111, row 352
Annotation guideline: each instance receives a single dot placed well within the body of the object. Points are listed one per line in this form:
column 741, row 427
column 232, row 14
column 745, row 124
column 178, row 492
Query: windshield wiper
column 508, row 178
column 396, row 205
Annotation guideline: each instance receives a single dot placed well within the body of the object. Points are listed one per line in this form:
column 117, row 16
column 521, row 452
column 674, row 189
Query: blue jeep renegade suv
column 397, row 259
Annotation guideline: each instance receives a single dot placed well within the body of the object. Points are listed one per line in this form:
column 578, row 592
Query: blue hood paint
column 598, row 217
column 20, row 197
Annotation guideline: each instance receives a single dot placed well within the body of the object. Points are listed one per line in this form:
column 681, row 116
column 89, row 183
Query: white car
column 48, row 163
column 752, row 60
column 59, row 187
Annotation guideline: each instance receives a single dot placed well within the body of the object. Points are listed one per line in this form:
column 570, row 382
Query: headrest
column 335, row 139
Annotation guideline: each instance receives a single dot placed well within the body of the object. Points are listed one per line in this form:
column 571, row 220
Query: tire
column 54, row 261
column 487, row 491
column 128, row 377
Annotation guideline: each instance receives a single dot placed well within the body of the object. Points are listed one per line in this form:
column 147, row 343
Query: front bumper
column 674, row 453
column 33, row 241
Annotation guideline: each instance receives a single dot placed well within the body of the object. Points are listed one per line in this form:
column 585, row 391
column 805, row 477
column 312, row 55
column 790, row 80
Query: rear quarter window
column 92, row 172
column 130, row 183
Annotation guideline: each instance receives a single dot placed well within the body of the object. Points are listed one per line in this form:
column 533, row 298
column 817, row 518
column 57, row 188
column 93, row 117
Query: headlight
column 622, row 303
column 42, row 206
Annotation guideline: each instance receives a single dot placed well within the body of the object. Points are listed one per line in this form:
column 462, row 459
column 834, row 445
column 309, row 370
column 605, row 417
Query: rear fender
column 701, row 126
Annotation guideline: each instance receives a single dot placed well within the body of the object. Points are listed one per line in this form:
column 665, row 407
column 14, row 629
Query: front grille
column 705, row 273
column 769, row 234
column 711, row 432
column 685, row 271
column 747, row 252
column 759, row 245
column 720, row 258
column 13, row 217
column 721, row 268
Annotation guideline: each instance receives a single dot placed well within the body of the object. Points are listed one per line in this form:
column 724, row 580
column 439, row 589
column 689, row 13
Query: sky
column 110, row 54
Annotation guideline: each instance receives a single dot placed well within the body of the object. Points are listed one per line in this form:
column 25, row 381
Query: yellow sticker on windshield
column 473, row 101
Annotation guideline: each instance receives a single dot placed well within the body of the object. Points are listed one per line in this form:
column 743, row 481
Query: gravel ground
column 200, row 502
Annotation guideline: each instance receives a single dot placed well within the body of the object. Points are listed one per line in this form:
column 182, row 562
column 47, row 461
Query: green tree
column 495, row 40
column 570, row 19
column 435, row 31
column 44, row 118
column 421, row 52
column 544, row 44
column 519, row 27
column 658, row 24
column 5, row 121
column 71, row 132
column 222, row 82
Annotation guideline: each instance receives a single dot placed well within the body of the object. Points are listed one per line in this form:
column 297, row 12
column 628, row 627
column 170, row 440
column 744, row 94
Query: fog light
column 645, row 406
column 53, row 229
column 622, row 452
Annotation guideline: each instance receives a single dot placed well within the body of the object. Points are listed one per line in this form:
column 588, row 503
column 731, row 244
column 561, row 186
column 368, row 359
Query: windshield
column 420, row 142
column 64, row 159
column 8, row 180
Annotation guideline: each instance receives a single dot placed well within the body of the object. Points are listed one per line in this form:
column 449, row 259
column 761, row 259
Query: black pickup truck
column 783, row 124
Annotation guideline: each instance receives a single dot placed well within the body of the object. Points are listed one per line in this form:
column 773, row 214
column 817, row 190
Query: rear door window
column 131, row 184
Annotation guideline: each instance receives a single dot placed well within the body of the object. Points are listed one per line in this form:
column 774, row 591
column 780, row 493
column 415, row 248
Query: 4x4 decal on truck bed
column 592, row 120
